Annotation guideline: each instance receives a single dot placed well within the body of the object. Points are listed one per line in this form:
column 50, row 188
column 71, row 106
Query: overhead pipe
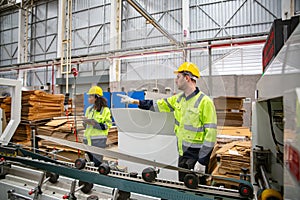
column 261, row 36
column 78, row 59
column 52, row 78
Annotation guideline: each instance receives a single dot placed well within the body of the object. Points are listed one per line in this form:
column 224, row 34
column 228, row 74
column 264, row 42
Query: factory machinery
column 29, row 175
column 275, row 166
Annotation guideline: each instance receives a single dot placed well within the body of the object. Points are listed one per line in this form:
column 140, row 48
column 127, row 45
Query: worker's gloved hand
column 127, row 99
column 199, row 168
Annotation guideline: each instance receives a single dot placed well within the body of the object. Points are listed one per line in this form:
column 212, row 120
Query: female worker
column 97, row 123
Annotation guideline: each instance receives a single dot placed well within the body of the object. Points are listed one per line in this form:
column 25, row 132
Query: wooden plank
column 228, row 146
column 60, row 135
column 56, row 123
column 228, row 102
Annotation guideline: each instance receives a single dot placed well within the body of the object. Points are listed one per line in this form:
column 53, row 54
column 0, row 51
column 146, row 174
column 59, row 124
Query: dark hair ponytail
column 100, row 103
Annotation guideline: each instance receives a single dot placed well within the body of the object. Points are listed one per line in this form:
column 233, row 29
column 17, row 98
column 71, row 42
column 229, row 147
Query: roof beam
column 152, row 21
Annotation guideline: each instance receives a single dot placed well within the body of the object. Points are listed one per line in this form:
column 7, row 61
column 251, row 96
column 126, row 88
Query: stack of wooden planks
column 78, row 104
column 230, row 110
column 5, row 104
column 112, row 137
column 41, row 105
column 233, row 157
column 23, row 133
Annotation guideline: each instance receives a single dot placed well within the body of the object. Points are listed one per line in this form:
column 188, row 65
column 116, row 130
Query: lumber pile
column 38, row 105
column 233, row 156
column 112, row 137
column 5, row 104
column 230, row 110
column 23, row 133
column 3, row 121
column 78, row 105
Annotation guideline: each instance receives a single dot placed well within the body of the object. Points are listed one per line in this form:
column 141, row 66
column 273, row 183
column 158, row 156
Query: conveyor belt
column 162, row 188
column 134, row 159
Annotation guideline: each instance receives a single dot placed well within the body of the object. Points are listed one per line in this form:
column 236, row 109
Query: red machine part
column 294, row 161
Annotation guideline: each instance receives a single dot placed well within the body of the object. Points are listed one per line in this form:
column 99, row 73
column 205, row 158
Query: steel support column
column 186, row 27
column 210, row 84
column 115, row 44
column 22, row 74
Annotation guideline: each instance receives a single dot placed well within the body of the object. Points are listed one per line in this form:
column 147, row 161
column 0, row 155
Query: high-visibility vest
column 195, row 119
column 104, row 116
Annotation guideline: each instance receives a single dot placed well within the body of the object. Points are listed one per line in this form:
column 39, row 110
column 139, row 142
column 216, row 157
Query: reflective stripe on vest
column 197, row 103
column 194, row 129
column 179, row 98
column 177, row 122
column 98, row 137
column 192, row 145
column 211, row 125
column 208, row 144
column 169, row 105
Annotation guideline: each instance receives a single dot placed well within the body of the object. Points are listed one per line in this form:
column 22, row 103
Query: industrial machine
column 275, row 115
column 50, row 181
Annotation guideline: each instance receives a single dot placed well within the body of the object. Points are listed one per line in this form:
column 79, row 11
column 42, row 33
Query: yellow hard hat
column 188, row 67
column 96, row 90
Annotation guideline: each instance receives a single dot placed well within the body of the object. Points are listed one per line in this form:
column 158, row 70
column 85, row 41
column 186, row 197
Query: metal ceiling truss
column 90, row 40
column 152, row 21
column 224, row 27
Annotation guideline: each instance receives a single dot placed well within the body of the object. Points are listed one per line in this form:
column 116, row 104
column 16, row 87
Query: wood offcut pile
column 230, row 154
column 227, row 134
column 60, row 128
column 38, row 105
column 233, row 157
column 230, row 110
column 63, row 128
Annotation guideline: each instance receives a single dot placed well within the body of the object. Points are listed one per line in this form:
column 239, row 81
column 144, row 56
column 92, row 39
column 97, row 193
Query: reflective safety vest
column 104, row 116
column 195, row 119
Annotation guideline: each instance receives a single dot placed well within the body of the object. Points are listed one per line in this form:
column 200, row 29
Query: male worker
column 195, row 119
